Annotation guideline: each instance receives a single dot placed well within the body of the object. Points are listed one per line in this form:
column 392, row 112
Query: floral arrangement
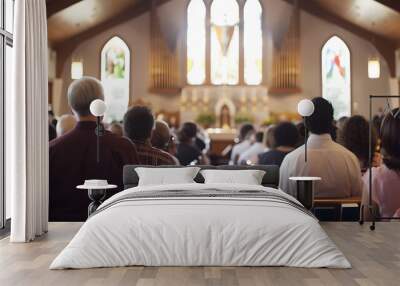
column 206, row 119
column 243, row 117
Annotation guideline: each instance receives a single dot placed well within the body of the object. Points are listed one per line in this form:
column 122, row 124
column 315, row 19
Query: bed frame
column 270, row 179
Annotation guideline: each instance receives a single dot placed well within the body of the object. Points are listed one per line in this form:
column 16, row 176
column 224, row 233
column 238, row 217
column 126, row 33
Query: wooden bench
column 336, row 203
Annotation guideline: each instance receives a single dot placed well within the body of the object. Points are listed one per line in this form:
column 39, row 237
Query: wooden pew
column 336, row 203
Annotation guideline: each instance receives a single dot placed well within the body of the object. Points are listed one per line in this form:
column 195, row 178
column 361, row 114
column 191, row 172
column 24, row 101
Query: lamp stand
column 372, row 209
column 99, row 132
column 305, row 139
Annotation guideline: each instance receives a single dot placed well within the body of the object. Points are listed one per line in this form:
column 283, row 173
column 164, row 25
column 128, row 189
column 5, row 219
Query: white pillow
column 166, row 176
column 246, row 177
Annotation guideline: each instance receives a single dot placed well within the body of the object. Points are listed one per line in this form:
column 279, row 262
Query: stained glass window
column 115, row 67
column 252, row 42
column 196, row 42
column 224, row 42
column 336, row 74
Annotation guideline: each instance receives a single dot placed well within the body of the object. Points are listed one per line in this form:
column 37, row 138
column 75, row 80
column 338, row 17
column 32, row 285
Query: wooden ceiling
column 73, row 21
column 376, row 21
column 68, row 18
column 375, row 16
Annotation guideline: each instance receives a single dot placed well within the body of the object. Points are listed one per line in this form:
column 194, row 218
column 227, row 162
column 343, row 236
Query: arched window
column 196, row 42
column 115, row 68
column 252, row 42
column 224, row 42
column 224, row 49
column 336, row 76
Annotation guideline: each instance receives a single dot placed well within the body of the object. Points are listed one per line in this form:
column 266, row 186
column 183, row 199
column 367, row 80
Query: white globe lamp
column 305, row 107
column 98, row 107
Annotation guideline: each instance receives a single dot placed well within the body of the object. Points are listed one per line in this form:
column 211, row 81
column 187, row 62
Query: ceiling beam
column 55, row 6
column 64, row 49
column 385, row 46
column 137, row 10
column 392, row 4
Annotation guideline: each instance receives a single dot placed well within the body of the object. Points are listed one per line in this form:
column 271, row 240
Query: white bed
column 185, row 230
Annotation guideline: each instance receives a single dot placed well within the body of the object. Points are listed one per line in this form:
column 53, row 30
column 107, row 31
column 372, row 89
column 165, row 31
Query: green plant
column 243, row 117
column 206, row 119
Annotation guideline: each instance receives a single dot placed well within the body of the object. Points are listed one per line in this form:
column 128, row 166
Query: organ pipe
column 164, row 62
column 286, row 61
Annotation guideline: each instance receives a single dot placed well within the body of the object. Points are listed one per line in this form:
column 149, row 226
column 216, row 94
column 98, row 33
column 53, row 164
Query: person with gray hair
column 65, row 123
column 72, row 157
column 81, row 93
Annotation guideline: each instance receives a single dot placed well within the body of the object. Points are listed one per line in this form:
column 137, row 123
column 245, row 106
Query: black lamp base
column 96, row 196
column 305, row 193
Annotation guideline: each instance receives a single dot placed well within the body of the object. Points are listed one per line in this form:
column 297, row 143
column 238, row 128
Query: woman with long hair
column 385, row 190
column 354, row 135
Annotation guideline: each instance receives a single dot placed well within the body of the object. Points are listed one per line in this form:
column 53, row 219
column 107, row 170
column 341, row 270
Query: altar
column 221, row 142
column 225, row 107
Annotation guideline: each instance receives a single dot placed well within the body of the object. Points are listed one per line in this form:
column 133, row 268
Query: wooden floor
column 375, row 257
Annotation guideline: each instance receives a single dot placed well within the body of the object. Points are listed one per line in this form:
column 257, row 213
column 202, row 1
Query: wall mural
column 336, row 82
column 115, row 64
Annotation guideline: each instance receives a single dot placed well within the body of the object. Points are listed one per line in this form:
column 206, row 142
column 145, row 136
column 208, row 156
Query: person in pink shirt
column 386, row 178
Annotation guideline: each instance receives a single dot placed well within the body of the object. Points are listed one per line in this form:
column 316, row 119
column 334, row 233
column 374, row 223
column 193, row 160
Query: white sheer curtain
column 27, row 151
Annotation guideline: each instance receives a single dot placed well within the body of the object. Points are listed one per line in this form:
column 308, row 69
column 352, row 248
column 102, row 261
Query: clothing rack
column 370, row 206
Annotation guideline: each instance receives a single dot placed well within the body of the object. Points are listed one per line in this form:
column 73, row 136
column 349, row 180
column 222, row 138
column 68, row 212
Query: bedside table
column 305, row 190
column 96, row 195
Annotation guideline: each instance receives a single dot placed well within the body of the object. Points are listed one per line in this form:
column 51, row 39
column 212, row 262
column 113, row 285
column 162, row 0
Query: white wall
column 136, row 34
column 314, row 32
column 52, row 63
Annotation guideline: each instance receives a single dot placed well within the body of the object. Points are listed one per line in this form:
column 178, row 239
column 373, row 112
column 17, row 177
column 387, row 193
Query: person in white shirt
column 246, row 131
column 255, row 149
column 338, row 167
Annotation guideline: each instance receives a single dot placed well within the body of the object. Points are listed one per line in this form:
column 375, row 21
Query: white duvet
column 200, row 231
